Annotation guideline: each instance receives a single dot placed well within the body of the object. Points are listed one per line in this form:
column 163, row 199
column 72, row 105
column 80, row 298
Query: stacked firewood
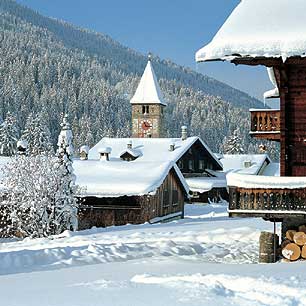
column 294, row 246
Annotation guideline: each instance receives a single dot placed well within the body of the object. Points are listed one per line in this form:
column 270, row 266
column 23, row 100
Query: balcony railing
column 265, row 124
column 268, row 197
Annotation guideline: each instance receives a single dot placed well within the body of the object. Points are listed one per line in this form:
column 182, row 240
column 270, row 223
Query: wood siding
column 265, row 124
column 101, row 212
column 259, row 201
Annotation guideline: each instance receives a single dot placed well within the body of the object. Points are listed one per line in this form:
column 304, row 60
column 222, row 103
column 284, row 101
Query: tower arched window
column 145, row 109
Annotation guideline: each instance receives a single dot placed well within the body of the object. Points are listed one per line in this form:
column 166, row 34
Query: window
column 145, row 109
column 190, row 165
column 175, row 199
column 180, row 164
column 201, row 164
column 166, row 198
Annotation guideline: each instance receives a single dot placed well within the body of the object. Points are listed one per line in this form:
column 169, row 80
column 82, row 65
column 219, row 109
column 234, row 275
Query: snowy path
column 186, row 262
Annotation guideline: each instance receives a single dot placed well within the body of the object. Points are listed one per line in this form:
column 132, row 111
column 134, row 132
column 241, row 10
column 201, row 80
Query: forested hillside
column 48, row 67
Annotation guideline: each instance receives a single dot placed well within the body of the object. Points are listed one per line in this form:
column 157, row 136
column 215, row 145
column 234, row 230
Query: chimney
column 130, row 144
column 105, row 153
column 262, row 148
column 184, row 132
column 172, row 147
column 22, row 146
column 247, row 164
column 84, row 152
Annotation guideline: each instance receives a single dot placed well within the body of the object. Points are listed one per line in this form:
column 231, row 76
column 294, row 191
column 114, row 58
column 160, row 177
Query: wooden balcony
column 265, row 124
column 268, row 198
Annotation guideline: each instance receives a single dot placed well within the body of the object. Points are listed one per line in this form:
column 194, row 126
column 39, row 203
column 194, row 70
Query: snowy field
column 205, row 259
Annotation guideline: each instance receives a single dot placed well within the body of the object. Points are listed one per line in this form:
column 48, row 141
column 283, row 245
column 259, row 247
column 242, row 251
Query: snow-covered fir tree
column 8, row 135
column 37, row 135
column 66, row 206
column 232, row 145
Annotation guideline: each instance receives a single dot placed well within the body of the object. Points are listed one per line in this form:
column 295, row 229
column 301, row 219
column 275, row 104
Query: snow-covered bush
column 40, row 192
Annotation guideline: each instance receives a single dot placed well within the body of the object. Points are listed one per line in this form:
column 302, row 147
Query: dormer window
column 130, row 154
column 145, row 109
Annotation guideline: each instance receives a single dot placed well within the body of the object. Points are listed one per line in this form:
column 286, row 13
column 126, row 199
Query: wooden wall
column 102, row 212
column 292, row 80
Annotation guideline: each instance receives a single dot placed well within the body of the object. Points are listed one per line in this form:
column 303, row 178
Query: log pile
column 294, row 246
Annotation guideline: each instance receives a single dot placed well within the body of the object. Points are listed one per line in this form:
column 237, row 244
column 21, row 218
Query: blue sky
column 172, row 29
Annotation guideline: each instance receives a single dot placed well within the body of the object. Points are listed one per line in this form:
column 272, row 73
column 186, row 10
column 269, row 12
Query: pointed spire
column 148, row 91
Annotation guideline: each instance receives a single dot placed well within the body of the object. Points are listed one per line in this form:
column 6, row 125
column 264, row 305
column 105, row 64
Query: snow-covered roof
column 244, row 163
column 148, row 90
column 84, row 149
column 260, row 28
column 104, row 150
column 268, row 182
column 117, row 178
column 22, row 143
column 132, row 152
column 151, row 149
column 204, row 184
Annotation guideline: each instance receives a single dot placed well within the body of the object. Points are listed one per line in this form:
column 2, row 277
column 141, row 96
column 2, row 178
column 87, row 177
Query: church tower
column 147, row 106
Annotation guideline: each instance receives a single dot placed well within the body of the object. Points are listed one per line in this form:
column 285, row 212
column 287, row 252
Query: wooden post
column 268, row 243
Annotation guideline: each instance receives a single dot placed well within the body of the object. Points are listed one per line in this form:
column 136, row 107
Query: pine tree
column 65, row 212
column 8, row 135
column 37, row 135
column 232, row 145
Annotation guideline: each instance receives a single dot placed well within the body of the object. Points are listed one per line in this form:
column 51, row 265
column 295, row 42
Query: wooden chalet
column 270, row 33
column 113, row 191
column 118, row 192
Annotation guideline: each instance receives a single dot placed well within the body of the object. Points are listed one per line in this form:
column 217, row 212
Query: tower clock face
column 146, row 125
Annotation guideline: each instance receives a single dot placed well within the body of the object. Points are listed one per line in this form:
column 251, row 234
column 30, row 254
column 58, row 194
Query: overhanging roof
column 260, row 29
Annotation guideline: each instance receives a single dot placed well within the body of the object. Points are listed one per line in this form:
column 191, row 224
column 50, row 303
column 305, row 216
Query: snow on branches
column 232, row 144
column 37, row 135
column 8, row 135
column 40, row 193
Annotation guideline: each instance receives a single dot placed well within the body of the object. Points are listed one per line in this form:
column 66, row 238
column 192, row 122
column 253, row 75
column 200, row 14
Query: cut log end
column 290, row 234
column 299, row 238
column 304, row 252
column 291, row 251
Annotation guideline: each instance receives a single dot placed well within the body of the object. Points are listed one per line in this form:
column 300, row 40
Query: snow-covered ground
column 205, row 259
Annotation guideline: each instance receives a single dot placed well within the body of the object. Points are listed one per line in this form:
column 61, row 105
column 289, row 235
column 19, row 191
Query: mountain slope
column 48, row 66
column 125, row 59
